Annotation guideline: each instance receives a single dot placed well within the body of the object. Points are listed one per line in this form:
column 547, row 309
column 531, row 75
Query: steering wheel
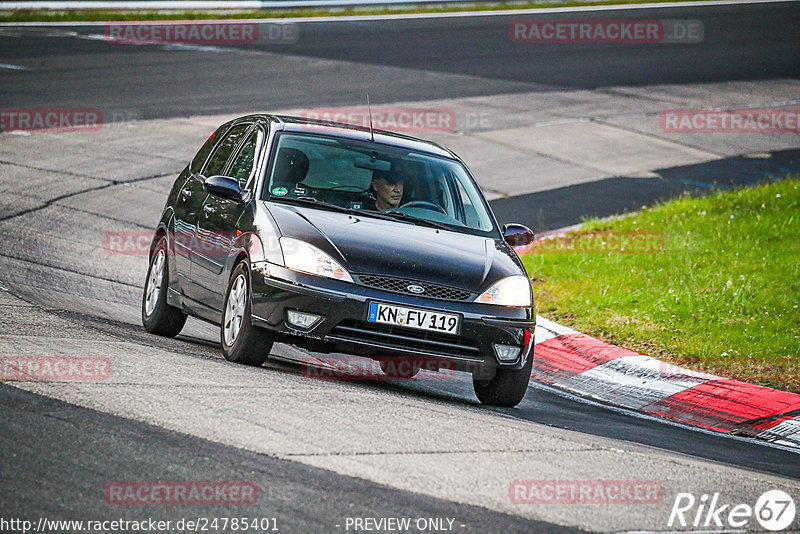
column 424, row 204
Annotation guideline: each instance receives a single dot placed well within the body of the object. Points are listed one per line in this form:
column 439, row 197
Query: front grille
column 400, row 285
column 387, row 336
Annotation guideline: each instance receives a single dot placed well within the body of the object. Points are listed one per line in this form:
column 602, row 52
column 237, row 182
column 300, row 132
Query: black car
column 292, row 230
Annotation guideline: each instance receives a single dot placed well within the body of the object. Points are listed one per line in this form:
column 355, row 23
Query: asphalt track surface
column 569, row 205
column 392, row 60
column 93, row 445
column 337, row 63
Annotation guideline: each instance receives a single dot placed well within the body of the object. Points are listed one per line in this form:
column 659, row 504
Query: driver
column 387, row 188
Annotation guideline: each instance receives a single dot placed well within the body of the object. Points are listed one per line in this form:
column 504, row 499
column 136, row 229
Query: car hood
column 367, row 245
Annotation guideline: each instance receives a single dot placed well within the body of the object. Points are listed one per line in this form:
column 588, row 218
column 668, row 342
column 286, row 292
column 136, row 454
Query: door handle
column 186, row 193
column 208, row 209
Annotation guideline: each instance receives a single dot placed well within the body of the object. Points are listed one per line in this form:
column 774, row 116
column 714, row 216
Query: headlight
column 511, row 291
column 300, row 256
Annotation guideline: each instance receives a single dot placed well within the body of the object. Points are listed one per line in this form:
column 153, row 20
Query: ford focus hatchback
column 338, row 239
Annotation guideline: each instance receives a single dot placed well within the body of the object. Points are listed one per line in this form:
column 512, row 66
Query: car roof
column 348, row 131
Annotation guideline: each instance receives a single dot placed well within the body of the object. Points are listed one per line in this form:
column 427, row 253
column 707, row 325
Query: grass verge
column 709, row 283
column 93, row 15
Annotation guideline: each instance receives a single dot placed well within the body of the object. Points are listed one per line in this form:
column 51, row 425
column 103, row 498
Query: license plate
column 414, row 318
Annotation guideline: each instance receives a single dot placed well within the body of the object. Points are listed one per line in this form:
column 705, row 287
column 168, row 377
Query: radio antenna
column 369, row 110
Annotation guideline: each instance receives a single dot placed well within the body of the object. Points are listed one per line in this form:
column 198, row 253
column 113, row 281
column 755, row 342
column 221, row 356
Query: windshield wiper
column 412, row 218
column 385, row 215
column 311, row 201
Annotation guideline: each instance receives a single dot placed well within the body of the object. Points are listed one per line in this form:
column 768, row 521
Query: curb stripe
column 786, row 432
column 547, row 329
column 725, row 404
column 631, row 381
column 563, row 357
column 587, row 366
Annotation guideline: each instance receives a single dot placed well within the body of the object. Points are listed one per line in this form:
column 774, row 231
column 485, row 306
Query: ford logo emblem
column 416, row 289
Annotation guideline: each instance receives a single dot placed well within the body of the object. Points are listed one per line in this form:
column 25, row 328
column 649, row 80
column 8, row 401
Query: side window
column 205, row 150
column 217, row 162
column 242, row 166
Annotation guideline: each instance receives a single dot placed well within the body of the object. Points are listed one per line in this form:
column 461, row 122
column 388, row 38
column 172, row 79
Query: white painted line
column 12, row 67
column 634, row 381
column 166, row 44
column 786, row 431
column 793, row 442
column 356, row 18
column 547, row 329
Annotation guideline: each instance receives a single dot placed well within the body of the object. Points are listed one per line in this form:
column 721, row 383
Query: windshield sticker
column 280, row 191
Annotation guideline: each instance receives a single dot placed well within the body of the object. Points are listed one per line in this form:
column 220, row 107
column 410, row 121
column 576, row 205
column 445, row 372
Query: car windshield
column 377, row 179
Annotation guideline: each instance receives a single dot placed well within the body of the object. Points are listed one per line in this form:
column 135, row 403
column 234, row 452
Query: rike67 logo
column 773, row 511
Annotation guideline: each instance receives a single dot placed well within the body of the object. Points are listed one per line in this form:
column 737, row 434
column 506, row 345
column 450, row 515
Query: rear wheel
column 158, row 317
column 241, row 341
column 506, row 388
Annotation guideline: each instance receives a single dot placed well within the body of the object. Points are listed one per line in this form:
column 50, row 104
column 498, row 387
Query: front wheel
column 506, row 388
column 158, row 317
column 241, row 341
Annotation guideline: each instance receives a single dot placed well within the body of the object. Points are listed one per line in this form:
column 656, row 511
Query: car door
column 196, row 198
column 186, row 208
column 217, row 223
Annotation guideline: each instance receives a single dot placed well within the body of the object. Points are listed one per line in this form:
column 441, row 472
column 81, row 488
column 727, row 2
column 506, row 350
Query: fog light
column 302, row 320
column 506, row 353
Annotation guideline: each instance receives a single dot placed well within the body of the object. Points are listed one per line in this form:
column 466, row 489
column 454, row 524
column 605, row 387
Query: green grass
column 721, row 296
column 120, row 15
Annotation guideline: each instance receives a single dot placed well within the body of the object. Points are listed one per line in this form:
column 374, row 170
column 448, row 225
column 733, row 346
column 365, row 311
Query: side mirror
column 225, row 187
column 517, row 235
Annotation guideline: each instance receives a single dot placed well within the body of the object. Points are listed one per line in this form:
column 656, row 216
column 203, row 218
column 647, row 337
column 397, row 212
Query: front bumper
column 343, row 327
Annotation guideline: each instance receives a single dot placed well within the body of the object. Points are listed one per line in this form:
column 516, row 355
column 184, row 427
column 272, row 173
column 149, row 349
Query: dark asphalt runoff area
column 54, row 454
column 63, row 476
column 392, row 60
column 60, row 456
column 570, row 205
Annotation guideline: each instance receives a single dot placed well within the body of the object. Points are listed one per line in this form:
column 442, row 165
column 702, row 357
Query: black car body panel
column 343, row 307
column 389, row 248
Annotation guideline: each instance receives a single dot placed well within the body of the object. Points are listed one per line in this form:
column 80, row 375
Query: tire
column 506, row 388
column 158, row 317
column 241, row 341
column 400, row 368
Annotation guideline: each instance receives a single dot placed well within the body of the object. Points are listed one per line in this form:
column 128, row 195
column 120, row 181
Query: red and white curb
column 589, row 367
